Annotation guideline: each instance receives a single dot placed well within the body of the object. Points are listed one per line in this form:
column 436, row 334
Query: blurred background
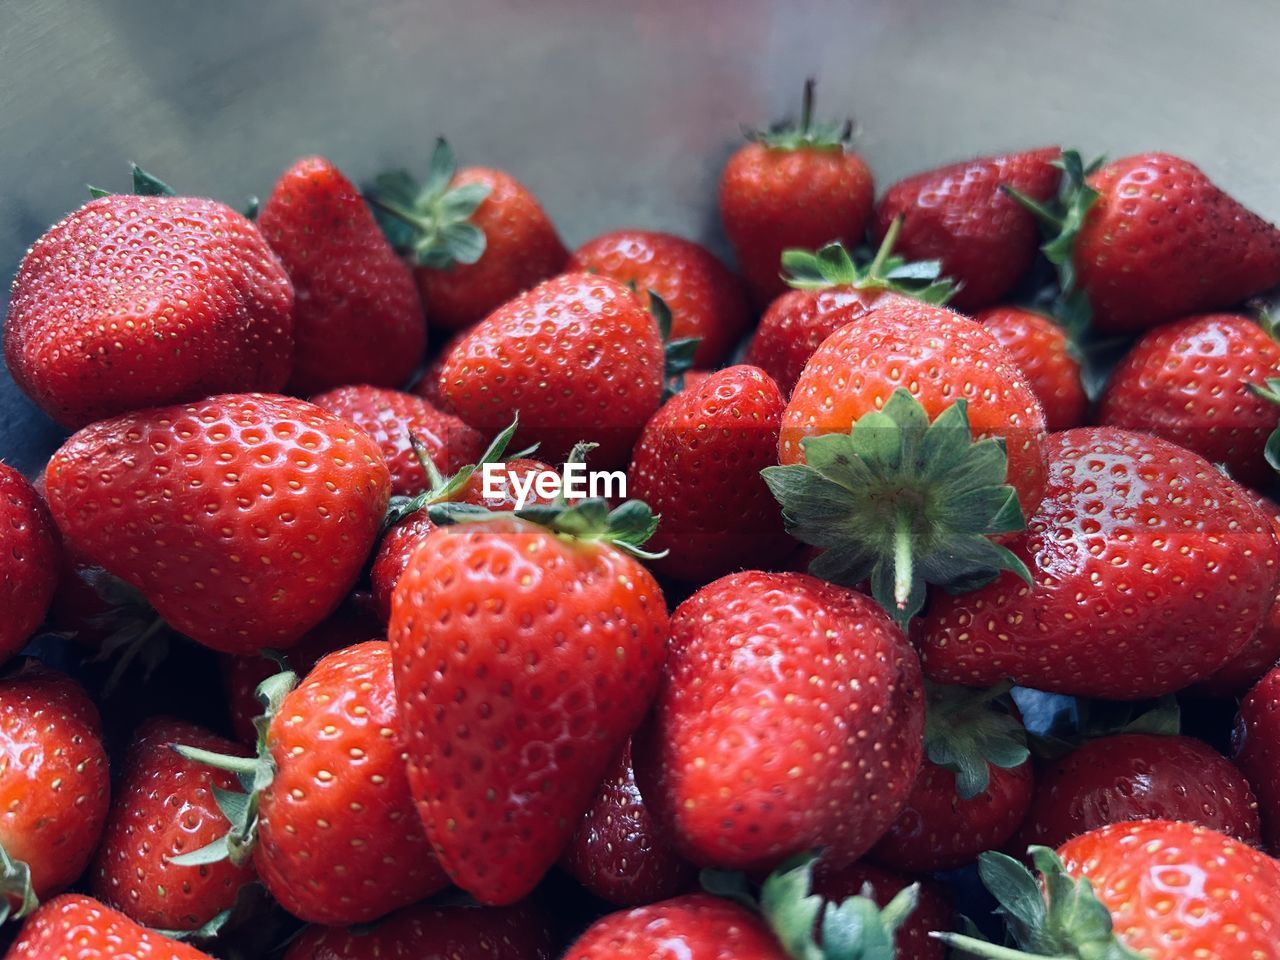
column 613, row 114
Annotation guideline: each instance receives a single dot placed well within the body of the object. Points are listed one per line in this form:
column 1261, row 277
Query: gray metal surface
column 614, row 113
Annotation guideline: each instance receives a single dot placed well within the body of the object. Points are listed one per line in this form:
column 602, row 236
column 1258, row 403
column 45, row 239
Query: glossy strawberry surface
column 695, row 927
column 1044, row 354
column 75, row 927
column 30, row 560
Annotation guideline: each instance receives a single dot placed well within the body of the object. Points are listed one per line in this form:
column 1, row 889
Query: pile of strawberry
column 927, row 549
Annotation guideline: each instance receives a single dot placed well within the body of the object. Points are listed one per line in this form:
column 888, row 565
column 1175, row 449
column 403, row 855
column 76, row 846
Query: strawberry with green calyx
column 902, row 502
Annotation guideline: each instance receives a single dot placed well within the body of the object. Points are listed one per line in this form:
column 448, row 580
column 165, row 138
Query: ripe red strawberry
column 1150, row 571
column 394, row 419
column 1138, row 776
column 694, row 927
column 524, row 658
column 619, row 852
column 829, row 290
column 1255, row 744
column 349, row 625
column 697, row 464
column 357, row 318
column 164, row 807
column 790, row 716
column 138, row 301
column 1149, row 238
column 707, row 301
column 477, row 235
column 933, row 909
column 1045, row 355
column 797, row 186
column 73, row 927
column 30, row 560
column 426, row 932
column 959, row 215
column 973, row 788
column 1155, row 890
column 244, row 519
column 428, row 385
column 54, row 788
column 577, row 357
column 1189, row 382
column 330, row 821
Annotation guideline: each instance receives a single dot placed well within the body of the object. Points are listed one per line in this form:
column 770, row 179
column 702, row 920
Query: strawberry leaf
column 17, row 896
column 149, row 185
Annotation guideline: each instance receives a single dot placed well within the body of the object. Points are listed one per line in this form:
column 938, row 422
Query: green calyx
column 254, row 773
column 17, row 898
column 1066, row 922
column 677, row 354
column 854, row 929
column 431, row 221
column 970, row 731
column 1060, row 222
column 903, row 503
column 1269, row 390
column 144, row 185
column 832, row 266
column 807, row 133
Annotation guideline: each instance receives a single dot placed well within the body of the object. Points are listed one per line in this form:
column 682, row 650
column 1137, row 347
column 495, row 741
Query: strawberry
column 327, row 815
column 693, row 927
column 138, row 301
column 1047, row 358
column 618, row 852
column 795, row 186
column 1150, row 890
column 973, row 788
column 427, row 932
column 578, row 357
column 30, row 560
column 1133, row 535
column 1255, row 744
column 241, row 676
column 707, row 302
column 1138, row 776
column 478, row 237
column 428, row 385
column 244, row 519
column 697, row 464
column 165, row 806
column 74, row 927
column 1191, row 382
column 525, row 655
column 395, row 420
column 960, row 216
column 933, row 909
column 54, row 789
column 828, row 290
column 357, row 318
column 1149, row 238
column 891, row 497
column 748, row 758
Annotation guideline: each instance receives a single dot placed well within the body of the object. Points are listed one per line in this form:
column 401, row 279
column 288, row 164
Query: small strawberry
column 693, row 927
column 1138, row 776
column 426, row 932
column 1255, row 744
column 1150, row 570
column 30, row 561
column 1047, row 358
column 244, row 519
column 327, row 814
column 1193, row 383
column 525, row 655
column 933, row 909
column 139, row 301
column 790, row 716
column 974, row 786
column 578, row 357
column 73, row 927
column 795, row 186
column 1145, row 239
column 395, row 420
column 960, row 216
column 829, row 290
column 357, row 318
column 166, row 806
column 54, row 788
column 619, row 852
column 478, row 237
column 706, row 300
column 698, row 463
column 1150, row 890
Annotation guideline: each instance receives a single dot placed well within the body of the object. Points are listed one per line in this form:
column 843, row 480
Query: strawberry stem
column 993, row 951
column 903, row 568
